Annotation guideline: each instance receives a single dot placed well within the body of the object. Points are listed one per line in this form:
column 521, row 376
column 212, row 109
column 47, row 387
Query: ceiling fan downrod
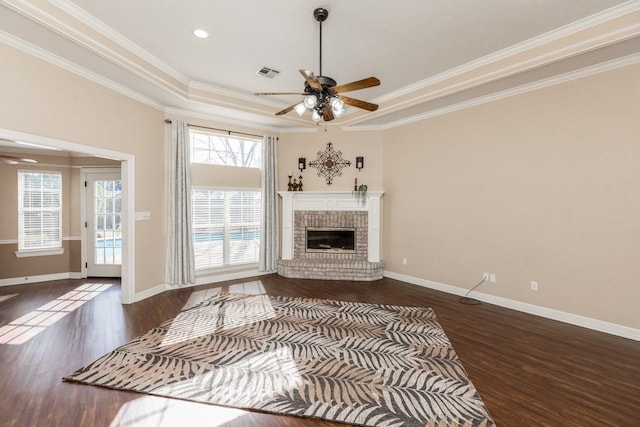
column 321, row 15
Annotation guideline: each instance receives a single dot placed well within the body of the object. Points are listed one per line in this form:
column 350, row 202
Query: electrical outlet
column 404, row 261
column 534, row 285
column 492, row 278
column 485, row 277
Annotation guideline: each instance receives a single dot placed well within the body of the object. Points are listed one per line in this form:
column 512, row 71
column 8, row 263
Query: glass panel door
column 104, row 224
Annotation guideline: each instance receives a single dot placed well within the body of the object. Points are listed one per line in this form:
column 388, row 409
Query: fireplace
column 331, row 236
column 331, row 239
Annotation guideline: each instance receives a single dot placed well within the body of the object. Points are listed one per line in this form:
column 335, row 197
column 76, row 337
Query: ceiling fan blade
column 286, row 110
column 327, row 114
column 357, row 85
column 358, row 103
column 279, row 93
column 311, row 79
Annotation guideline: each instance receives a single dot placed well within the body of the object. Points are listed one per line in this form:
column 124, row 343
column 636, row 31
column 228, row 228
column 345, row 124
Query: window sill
column 44, row 252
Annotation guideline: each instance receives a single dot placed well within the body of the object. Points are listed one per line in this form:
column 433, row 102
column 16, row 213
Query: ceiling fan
column 322, row 94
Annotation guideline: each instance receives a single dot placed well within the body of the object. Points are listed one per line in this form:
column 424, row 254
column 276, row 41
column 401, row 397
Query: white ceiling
column 145, row 48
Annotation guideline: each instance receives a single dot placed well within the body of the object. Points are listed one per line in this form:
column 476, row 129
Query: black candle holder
column 295, row 185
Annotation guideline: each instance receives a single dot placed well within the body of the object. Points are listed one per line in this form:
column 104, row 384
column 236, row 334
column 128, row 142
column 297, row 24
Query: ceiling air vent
column 268, row 72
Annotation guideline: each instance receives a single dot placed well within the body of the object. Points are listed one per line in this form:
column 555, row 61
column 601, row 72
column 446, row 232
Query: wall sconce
column 359, row 162
column 302, row 164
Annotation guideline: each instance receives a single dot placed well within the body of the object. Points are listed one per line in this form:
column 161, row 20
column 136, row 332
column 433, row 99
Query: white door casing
column 102, row 221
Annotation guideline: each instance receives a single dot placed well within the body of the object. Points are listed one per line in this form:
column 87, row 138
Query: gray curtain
column 180, row 267
column 269, row 242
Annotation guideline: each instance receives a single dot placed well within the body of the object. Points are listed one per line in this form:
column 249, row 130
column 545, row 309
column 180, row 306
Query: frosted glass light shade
column 310, row 101
column 300, row 108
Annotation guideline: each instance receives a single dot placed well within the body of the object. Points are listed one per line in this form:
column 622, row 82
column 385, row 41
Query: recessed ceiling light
column 201, row 34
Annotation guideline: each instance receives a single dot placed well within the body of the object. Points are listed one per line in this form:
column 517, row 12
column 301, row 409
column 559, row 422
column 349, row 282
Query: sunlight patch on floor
column 248, row 382
column 201, row 321
column 251, row 288
column 31, row 324
column 194, row 323
column 151, row 411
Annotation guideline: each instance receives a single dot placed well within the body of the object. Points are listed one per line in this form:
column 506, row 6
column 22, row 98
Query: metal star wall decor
column 329, row 163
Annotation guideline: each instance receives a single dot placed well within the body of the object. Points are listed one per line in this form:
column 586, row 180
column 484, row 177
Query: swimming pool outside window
column 225, row 227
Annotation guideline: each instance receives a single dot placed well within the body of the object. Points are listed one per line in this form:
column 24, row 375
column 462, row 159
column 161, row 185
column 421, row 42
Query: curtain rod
column 228, row 132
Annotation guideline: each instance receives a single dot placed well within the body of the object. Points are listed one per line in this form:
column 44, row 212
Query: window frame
column 41, row 250
column 226, row 265
column 256, row 163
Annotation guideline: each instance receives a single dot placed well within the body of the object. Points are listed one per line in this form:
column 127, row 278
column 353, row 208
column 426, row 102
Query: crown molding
column 38, row 52
column 88, row 41
column 217, row 90
column 82, row 28
column 186, row 93
column 170, row 111
column 100, row 27
column 486, row 78
column 557, row 34
column 540, row 84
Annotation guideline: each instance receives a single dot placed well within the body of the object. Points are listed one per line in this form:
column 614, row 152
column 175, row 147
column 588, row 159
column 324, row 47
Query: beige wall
column 41, row 99
column 224, row 176
column 542, row 186
column 10, row 265
column 70, row 260
column 351, row 144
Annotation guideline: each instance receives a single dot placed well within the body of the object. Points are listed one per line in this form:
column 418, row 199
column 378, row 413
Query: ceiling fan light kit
column 322, row 94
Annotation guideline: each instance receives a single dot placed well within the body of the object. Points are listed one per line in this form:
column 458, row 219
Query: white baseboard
column 40, row 278
column 139, row 296
column 549, row 313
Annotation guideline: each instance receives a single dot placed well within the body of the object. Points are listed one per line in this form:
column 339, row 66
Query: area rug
column 355, row 363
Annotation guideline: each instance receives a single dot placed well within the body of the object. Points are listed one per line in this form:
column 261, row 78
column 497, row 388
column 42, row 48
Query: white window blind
column 226, row 150
column 39, row 210
column 226, row 227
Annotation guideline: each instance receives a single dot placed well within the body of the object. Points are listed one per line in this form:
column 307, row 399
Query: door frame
column 84, row 244
column 128, row 173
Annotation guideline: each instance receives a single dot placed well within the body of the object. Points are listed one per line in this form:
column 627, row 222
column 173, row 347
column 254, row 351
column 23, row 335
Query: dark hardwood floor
column 529, row 371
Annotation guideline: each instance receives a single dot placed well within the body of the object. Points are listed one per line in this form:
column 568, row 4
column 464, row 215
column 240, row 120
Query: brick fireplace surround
column 331, row 209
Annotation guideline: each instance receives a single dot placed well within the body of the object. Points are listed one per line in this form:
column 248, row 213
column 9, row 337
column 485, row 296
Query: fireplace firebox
column 331, row 239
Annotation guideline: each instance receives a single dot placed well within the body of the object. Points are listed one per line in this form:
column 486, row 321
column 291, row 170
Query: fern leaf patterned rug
column 355, row 363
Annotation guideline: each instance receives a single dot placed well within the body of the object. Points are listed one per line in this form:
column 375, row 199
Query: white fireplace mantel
column 331, row 201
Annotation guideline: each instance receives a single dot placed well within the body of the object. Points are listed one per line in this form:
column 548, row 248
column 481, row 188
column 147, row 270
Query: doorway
column 127, row 167
column 102, row 211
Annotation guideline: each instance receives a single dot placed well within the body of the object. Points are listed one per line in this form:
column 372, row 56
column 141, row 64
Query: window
column 226, row 227
column 225, row 150
column 39, row 210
